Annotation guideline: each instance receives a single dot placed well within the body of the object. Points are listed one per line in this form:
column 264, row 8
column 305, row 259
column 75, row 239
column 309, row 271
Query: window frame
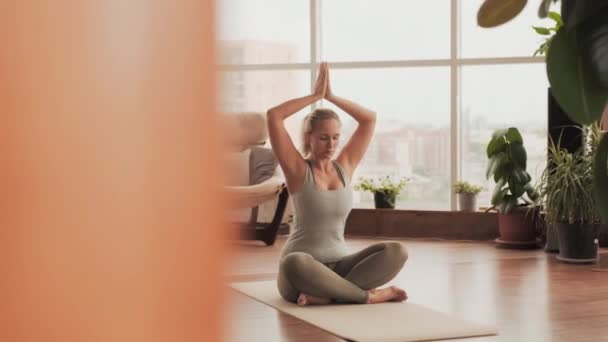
column 454, row 63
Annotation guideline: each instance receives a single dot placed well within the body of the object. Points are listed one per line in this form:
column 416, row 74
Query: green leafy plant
column 566, row 187
column 593, row 137
column 461, row 187
column 548, row 31
column 578, row 75
column 577, row 71
column 507, row 165
column 387, row 185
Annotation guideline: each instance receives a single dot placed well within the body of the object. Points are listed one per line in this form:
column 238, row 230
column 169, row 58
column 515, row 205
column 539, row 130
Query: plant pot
column 467, row 202
column 518, row 228
column 577, row 242
column 383, row 200
column 552, row 244
column 603, row 235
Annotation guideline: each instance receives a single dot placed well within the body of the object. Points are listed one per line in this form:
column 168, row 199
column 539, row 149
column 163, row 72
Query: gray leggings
column 344, row 281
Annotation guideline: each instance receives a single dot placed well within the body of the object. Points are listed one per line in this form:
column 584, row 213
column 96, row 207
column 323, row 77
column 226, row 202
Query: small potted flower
column 385, row 190
column 467, row 195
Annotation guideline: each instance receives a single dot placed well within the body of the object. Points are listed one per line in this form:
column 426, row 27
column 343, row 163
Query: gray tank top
column 320, row 219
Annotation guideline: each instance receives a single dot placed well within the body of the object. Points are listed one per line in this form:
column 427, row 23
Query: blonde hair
column 311, row 122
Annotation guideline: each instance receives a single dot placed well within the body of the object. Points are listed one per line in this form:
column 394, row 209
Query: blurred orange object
column 109, row 221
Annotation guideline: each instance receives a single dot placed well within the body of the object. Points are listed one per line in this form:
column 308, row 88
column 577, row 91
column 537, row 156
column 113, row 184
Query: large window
column 412, row 137
column 244, row 91
column 438, row 94
column 516, row 38
column 263, row 31
column 379, row 30
column 488, row 105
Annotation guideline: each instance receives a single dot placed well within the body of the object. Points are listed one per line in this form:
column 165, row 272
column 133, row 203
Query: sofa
column 255, row 185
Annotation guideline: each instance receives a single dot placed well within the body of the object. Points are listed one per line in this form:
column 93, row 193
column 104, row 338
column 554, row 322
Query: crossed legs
column 353, row 279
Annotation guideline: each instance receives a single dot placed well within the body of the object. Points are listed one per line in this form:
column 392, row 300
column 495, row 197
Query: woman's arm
column 292, row 163
column 355, row 148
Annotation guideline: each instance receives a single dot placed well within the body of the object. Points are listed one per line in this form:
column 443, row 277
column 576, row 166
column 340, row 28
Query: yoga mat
column 386, row 322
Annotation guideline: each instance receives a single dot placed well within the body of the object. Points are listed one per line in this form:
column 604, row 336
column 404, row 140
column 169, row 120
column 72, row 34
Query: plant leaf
column 542, row 30
column 528, row 177
column 592, row 37
column 501, row 172
column 531, row 192
column 497, row 143
column 499, row 133
column 499, row 192
column 513, row 135
column 491, row 168
column 556, row 17
column 575, row 12
column 571, row 84
column 495, row 163
column 518, row 155
column 520, row 176
column 517, row 188
column 497, row 12
column 600, row 175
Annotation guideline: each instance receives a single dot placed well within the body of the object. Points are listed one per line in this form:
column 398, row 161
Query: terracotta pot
column 518, row 227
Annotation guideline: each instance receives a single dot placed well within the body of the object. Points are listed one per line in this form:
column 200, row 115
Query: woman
column 315, row 266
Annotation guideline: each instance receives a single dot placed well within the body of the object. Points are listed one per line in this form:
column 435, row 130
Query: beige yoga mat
column 387, row 322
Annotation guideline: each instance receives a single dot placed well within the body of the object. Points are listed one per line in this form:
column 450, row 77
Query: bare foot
column 388, row 294
column 305, row 299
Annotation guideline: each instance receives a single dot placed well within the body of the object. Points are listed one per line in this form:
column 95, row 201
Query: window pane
column 412, row 137
column 496, row 97
column 514, row 38
column 358, row 30
column 260, row 90
column 263, row 31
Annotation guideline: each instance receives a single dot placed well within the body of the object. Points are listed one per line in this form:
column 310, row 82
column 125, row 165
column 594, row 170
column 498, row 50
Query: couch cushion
column 262, row 164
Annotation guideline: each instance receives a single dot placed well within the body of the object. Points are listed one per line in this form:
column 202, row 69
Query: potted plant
column 385, row 190
column 566, row 192
column 576, row 69
column 513, row 193
column 551, row 236
column 467, row 195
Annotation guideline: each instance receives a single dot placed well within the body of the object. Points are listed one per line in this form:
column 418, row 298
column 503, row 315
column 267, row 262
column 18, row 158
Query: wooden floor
column 528, row 295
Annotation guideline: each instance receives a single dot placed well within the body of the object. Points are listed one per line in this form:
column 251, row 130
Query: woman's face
column 324, row 138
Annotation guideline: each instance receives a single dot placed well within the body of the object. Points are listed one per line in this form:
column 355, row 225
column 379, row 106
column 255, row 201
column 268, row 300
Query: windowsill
column 430, row 211
column 444, row 224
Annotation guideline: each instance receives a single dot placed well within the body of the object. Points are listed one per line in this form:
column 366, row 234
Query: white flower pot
column 467, row 202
